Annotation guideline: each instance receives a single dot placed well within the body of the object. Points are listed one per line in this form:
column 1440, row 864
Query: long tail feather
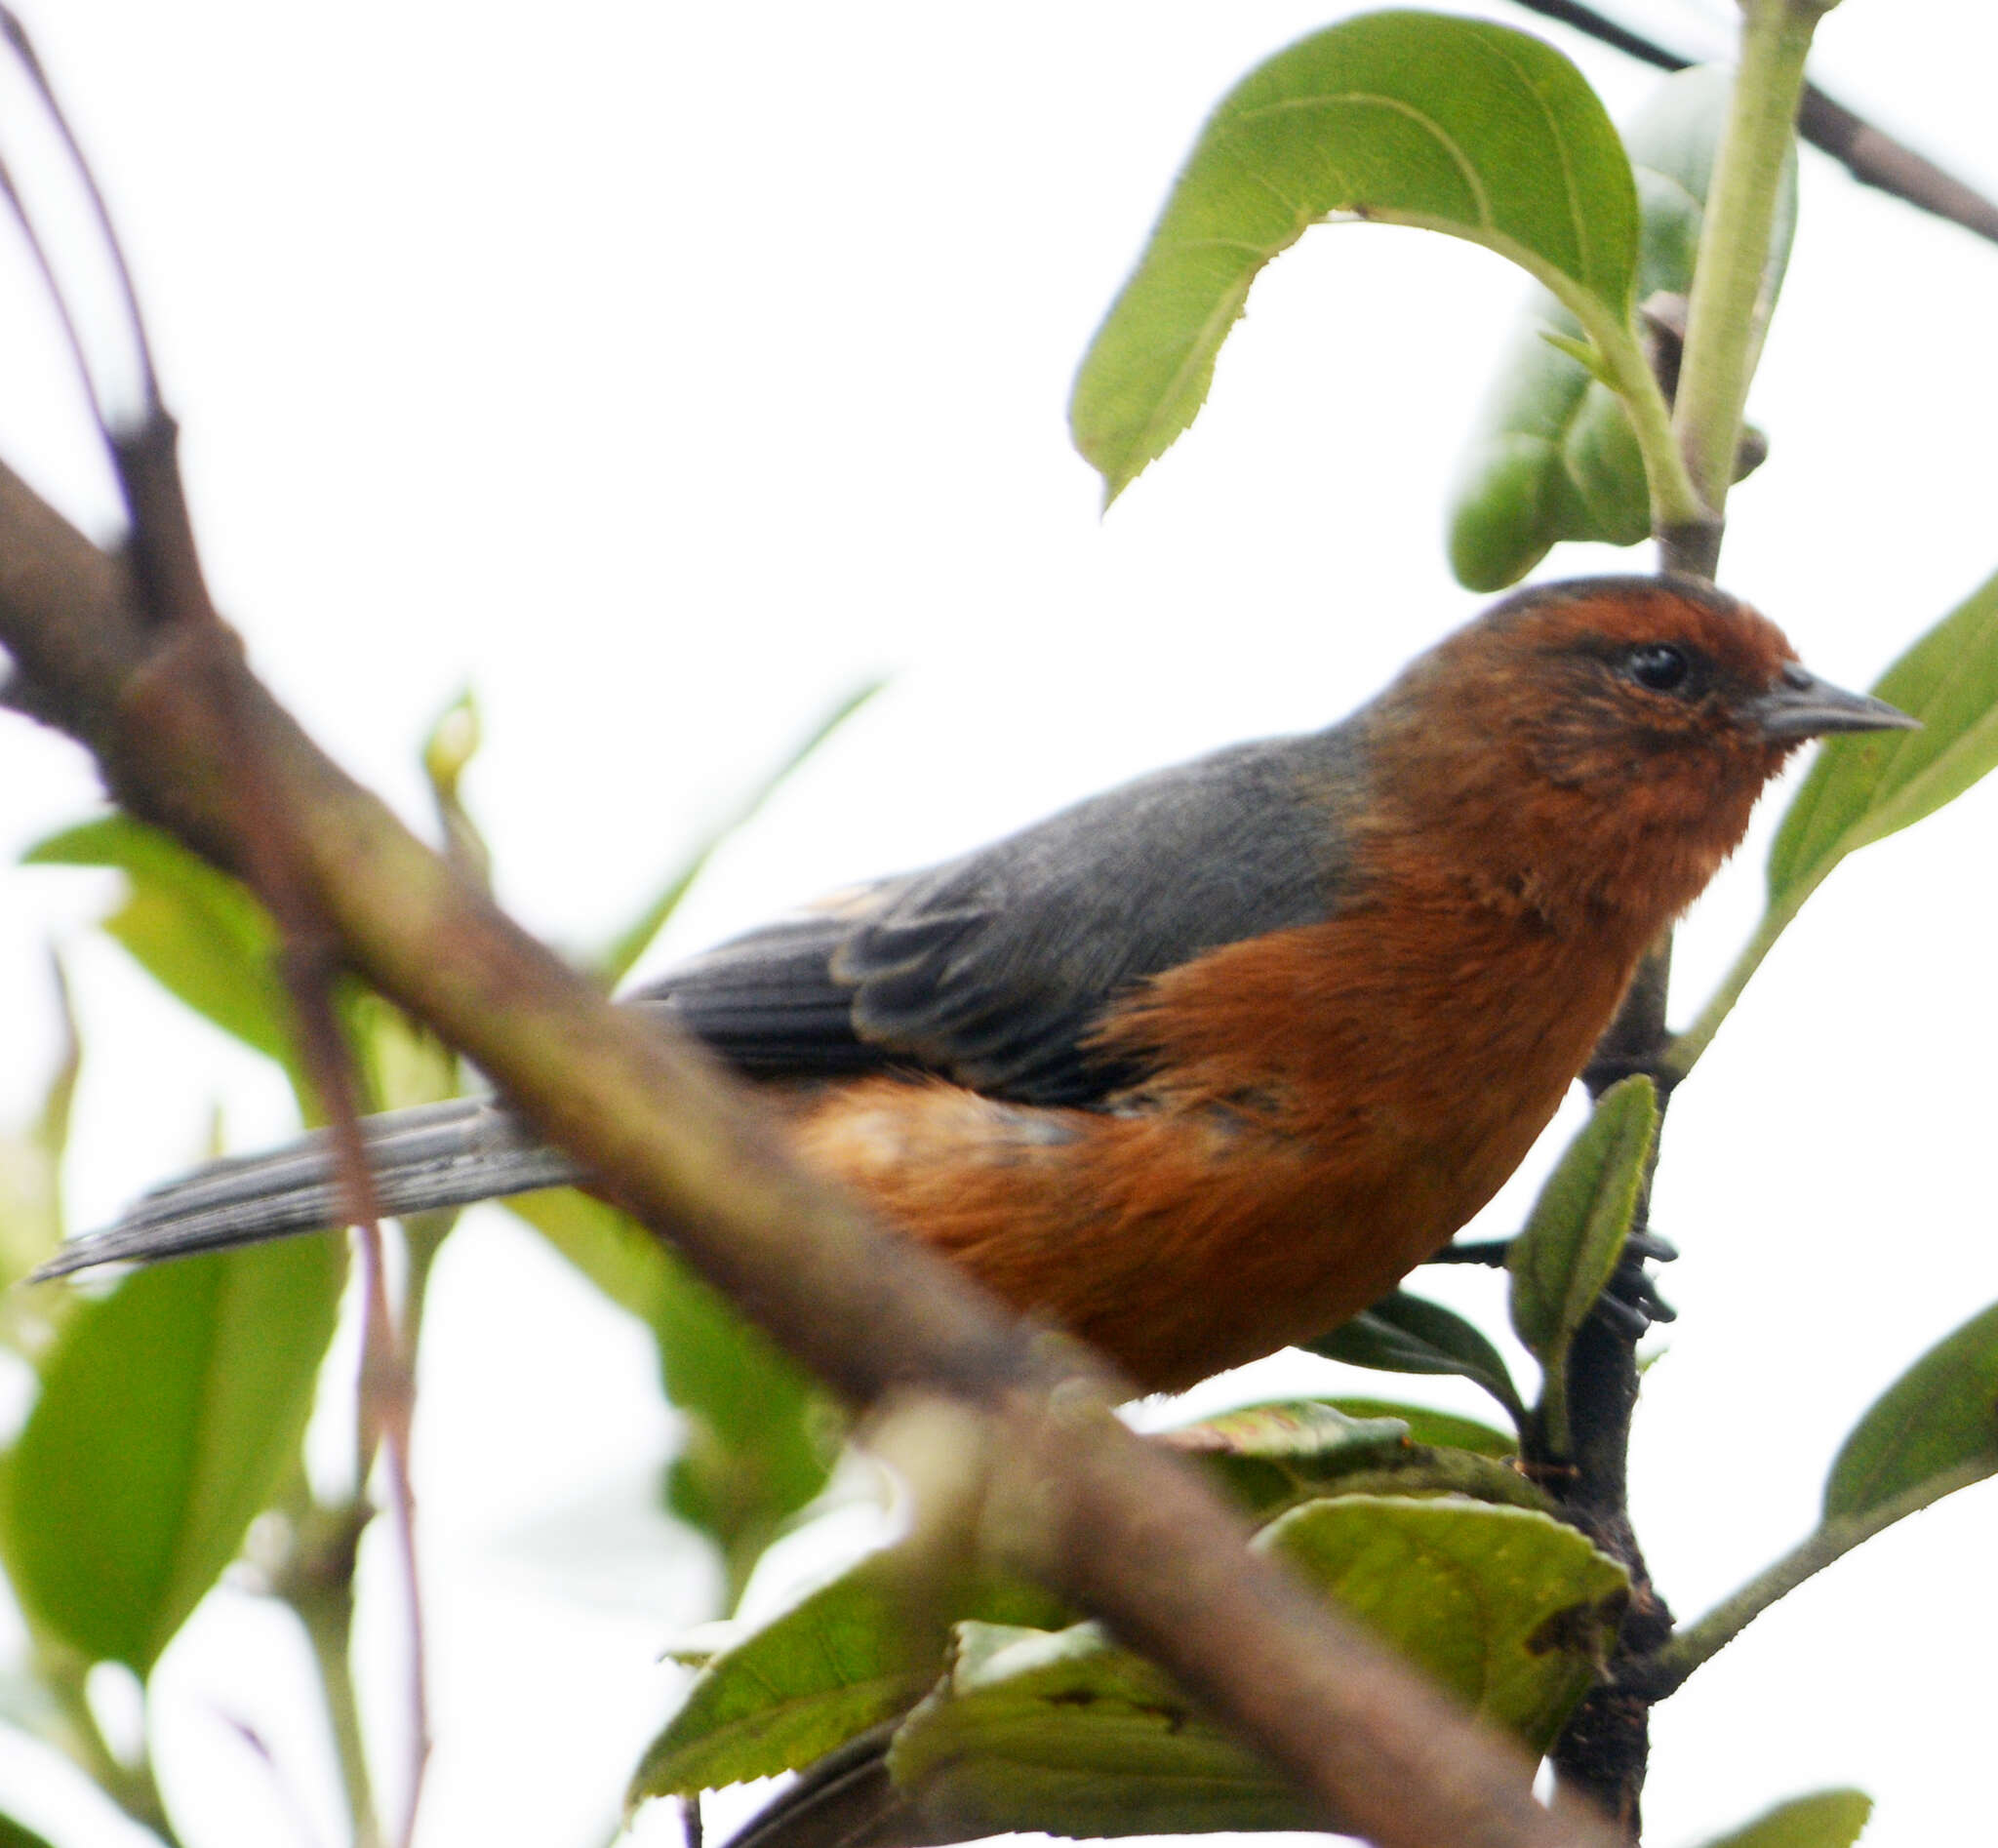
column 438, row 1155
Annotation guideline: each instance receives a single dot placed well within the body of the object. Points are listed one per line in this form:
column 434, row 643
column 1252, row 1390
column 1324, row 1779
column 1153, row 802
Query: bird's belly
column 1316, row 1126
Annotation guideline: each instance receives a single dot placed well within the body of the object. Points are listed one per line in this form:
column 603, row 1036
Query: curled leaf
column 1416, row 118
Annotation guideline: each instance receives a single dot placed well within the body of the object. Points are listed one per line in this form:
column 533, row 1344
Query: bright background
column 662, row 371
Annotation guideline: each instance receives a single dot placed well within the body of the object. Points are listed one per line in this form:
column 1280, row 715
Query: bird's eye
column 1660, row 666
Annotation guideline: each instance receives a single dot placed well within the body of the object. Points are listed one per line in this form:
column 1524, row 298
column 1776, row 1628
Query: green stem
column 131, row 1787
column 1686, row 1048
column 318, row 1584
column 1728, row 311
column 1675, row 497
column 1699, row 1642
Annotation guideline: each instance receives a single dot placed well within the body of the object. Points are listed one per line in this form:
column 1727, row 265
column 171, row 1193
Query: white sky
column 661, row 371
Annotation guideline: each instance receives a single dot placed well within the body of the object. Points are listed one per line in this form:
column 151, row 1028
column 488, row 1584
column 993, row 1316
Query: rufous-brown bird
column 1203, row 1067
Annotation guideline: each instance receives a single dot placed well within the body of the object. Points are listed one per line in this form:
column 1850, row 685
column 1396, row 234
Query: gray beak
column 1801, row 705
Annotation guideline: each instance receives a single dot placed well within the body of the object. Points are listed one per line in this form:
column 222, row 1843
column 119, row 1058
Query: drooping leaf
column 615, row 960
column 1553, row 455
column 1874, row 783
column 1575, row 1236
column 1273, row 1456
column 1825, row 1819
column 758, row 1437
column 1404, row 1332
column 1416, row 118
column 853, row 1654
column 1939, row 1417
column 168, row 1412
column 196, row 931
column 1065, row 1731
column 15, row 1834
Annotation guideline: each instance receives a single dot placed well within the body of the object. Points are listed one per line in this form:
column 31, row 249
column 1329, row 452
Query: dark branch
column 1872, row 156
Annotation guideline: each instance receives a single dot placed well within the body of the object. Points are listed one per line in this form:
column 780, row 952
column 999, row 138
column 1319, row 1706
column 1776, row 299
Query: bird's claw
column 1631, row 1302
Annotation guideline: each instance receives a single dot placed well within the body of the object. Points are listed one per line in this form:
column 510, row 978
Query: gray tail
column 436, row 1156
column 845, row 1800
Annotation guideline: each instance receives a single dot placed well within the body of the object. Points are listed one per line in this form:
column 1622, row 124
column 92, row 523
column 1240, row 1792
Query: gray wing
column 993, row 969
column 990, row 970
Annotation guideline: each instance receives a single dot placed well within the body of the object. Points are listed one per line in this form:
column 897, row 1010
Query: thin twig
column 1697, row 1644
column 172, row 596
column 1871, row 155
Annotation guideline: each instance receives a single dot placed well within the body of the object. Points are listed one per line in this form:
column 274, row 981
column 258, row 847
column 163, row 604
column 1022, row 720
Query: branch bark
column 1122, row 1531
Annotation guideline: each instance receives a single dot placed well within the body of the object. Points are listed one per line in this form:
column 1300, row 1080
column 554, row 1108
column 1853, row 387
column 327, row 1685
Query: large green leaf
column 1404, row 1332
column 858, row 1652
column 1575, row 1236
column 1553, row 455
column 1874, row 783
column 196, row 931
column 1871, row 785
column 758, row 1437
column 1416, row 118
column 1825, row 1819
column 1941, row 1416
column 1512, row 1611
column 168, row 1412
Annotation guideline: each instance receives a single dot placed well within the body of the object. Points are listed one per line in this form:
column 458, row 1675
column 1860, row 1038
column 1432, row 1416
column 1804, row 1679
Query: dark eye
column 1660, row 666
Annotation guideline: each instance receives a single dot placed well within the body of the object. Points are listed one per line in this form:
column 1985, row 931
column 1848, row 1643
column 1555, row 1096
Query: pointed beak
column 1801, row 705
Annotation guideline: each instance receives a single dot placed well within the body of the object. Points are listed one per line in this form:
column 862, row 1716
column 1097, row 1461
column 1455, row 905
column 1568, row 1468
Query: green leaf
column 1067, row 1734
column 1573, row 1239
column 1444, row 1431
column 1416, row 118
column 1940, row 1416
column 615, row 960
column 196, row 931
column 168, row 1412
column 1273, row 1456
column 852, row 1655
column 448, row 751
column 1408, row 1334
column 1553, row 455
column 1871, row 784
column 1825, row 1819
column 31, row 1166
column 1512, row 1611
column 759, row 1438
column 1874, row 783
column 15, row 1834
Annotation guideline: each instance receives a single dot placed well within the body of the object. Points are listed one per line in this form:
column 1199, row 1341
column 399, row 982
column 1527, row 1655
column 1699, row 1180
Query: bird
column 1202, row 1068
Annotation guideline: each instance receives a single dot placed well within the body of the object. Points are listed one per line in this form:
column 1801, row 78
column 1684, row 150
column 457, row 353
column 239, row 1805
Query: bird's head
column 1611, row 733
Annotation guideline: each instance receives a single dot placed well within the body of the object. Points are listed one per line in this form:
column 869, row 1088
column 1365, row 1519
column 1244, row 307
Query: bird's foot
column 1631, row 1302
